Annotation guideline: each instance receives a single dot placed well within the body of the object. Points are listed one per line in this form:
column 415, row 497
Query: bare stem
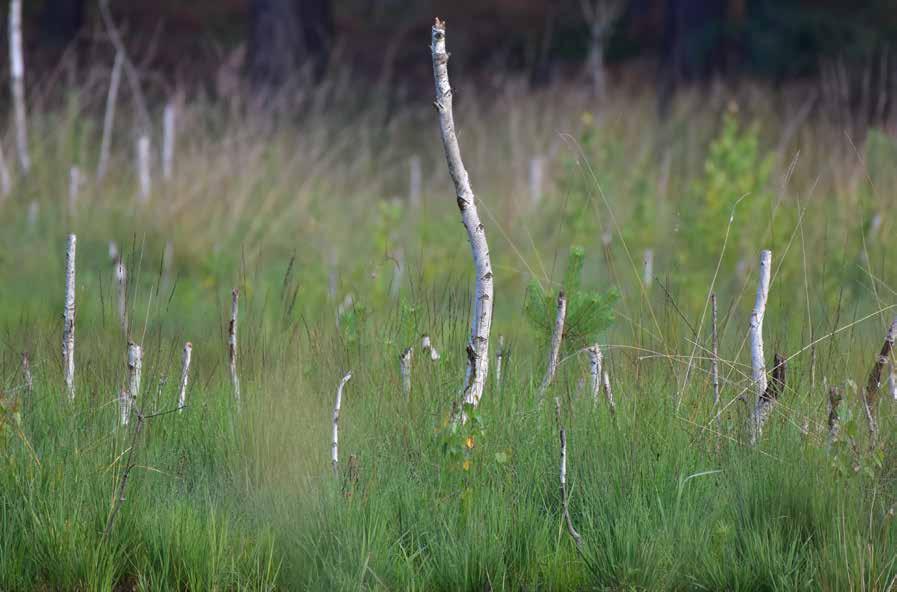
column 334, row 445
column 68, row 329
column 557, row 337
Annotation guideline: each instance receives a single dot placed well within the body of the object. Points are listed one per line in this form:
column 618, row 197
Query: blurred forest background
column 649, row 43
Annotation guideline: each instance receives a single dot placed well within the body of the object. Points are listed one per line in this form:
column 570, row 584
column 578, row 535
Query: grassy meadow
column 339, row 268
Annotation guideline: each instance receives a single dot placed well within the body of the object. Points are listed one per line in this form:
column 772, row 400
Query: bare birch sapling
column 873, row 384
column 405, row 367
column 426, row 346
column 557, row 337
column 595, row 375
column 168, row 140
column 765, row 403
column 17, row 80
column 68, row 317
column 5, row 179
column 565, row 497
column 232, row 344
column 185, row 375
column 334, row 443
column 109, row 117
column 415, row 180
column 609, row 394
column 481, row 321
column 74, row 188
column 143, row 167
column 758, row 364
column 26, row 373
column 648, row 276
column 536, row 179
column 500, row 355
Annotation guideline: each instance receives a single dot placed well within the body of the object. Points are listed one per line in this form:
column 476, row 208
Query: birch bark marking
column 405, row 367
column 168, row 138
column 557, row 337
column 595, row 360
column 68, row 328
column 499, row 360
column 128, row 398
column 873, row 384
column 334, row 444
column 232, row 344
column 758, row 365
column 143, row 167
column 481, row 323
column 17, row 79
column 109, row 117
column 185, row 374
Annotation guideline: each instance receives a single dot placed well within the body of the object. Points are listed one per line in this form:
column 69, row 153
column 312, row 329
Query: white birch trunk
column 74, row 188
column 557, row 337
column 426, row 346
column 499, row 361
column 33, row 214
column 892, row 379
column 758, row 365
column 481, row 323
column 405, row 367
column 334, row 443
column 168, row 140
column 68, row 329
column 648, row 276
column 185, row 375
column 17, row 79
column 536, row 179
column 609, row 394
column 565, row 498
column 232, row 344
column 143, row 167
column 26, row 373
column 109, row 117
column 121, row 287
column 415, row 181
column 135, row 368
column 595, row 372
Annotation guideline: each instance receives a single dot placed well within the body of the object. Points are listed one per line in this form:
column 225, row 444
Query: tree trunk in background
column 62, row 20
column 284, row 36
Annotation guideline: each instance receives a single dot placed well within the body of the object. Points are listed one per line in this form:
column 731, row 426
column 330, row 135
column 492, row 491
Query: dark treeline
column 688, row 40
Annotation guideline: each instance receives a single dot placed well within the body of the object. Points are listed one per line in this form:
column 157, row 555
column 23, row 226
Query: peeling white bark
column 595, row 375
column 168, row 140
column 334, row 443
column 758, row 364
column 892, row 379
column 68, row 329
column 143, row 167
column 124, row 407
column 481, row 323
column 609, row 394
column 557, row 337
column 500, row 355
column 426, row 346
column 135, row 367
column 232, row 344
column 17, row 79
column 405, row 367
column 109, row 117
column 185, row 374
